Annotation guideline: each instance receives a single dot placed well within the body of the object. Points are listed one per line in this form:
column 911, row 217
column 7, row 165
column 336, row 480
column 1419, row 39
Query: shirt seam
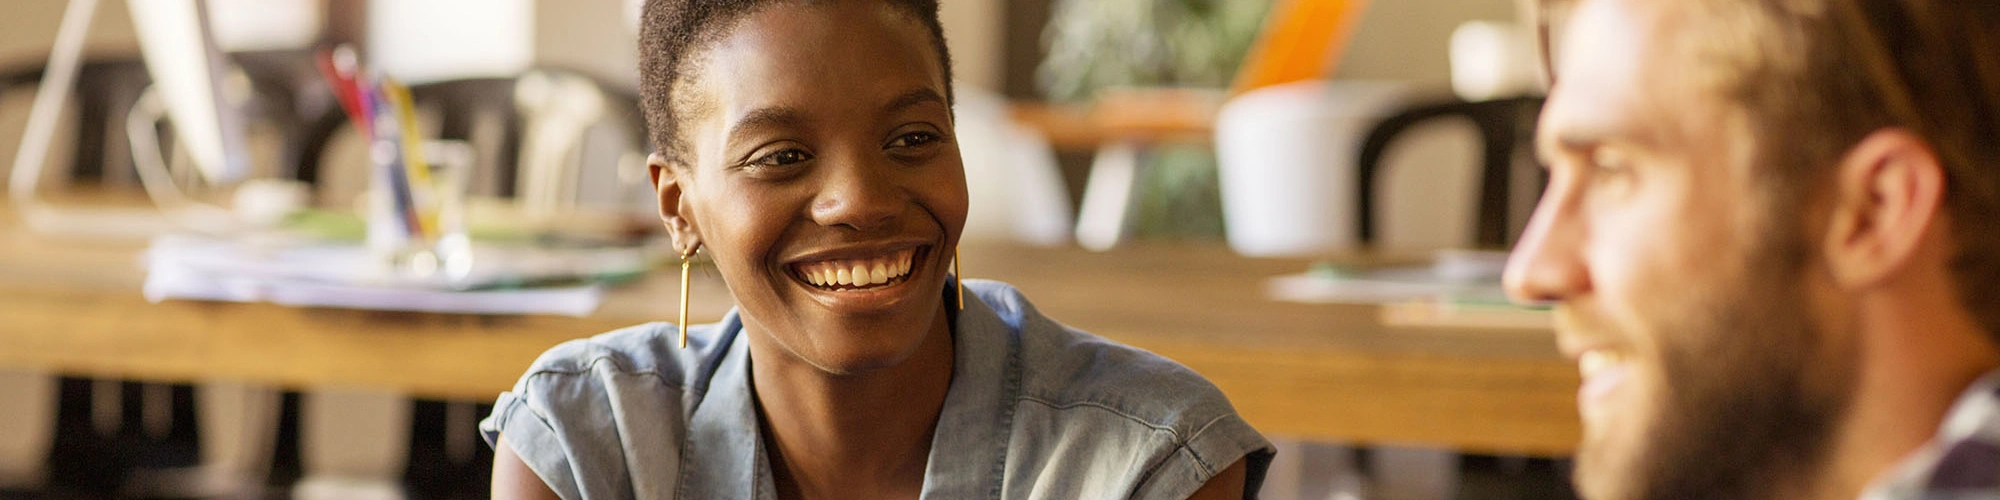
column 1014, row 342
column 1180, row 443
column 1207, row 469
column 1115, row 411
column 623, row 370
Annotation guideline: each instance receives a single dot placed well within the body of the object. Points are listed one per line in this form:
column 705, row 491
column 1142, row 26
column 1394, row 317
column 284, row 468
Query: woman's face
column 823, row 179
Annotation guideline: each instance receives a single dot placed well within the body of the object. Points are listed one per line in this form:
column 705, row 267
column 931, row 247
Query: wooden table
column 1309, row 371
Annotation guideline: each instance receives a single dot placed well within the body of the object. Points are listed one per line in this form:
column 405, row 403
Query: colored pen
column 340, row 66
column 414, row 166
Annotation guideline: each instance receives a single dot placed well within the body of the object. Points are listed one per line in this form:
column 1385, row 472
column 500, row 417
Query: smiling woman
column 807, row 147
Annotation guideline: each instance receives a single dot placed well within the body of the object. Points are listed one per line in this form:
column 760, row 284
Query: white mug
column 1287, row 163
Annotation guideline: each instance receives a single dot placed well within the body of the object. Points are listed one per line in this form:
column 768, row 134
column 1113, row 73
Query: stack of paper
column 1460, row 289
column 1453, row 274
column 348, row 276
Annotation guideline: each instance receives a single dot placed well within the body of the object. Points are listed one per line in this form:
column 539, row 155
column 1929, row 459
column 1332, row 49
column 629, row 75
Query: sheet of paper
column 1454, row 275
column 344, row 276
column 1461, row 289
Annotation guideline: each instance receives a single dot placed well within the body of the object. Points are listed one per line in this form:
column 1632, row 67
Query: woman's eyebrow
column 912, row 98
column 780, row 117
column 771, row 117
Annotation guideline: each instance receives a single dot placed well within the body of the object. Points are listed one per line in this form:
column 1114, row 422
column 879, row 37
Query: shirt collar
column 723, row 439
column 1967, row 438
column 968, row 447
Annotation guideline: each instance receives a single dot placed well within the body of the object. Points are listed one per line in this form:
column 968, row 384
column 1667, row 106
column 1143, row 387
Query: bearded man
column 1771, row 236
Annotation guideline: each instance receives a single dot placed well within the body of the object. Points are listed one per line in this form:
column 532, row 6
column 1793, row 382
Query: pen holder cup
column 416, row 210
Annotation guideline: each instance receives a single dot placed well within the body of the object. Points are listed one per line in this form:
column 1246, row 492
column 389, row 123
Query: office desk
column 1310, row 371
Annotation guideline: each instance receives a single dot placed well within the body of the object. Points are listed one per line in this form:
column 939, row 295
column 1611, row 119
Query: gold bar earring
column 683, row 323
column 958, row 277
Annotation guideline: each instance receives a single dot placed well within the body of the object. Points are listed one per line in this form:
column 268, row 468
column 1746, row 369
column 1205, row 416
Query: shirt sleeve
column 532, row 437
column 557, row 419
column 1205, row 453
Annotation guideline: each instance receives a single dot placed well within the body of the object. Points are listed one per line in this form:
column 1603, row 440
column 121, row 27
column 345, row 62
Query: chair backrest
column 1505, row 127
column 549, row 138
column 290, row 96
column 105, row 91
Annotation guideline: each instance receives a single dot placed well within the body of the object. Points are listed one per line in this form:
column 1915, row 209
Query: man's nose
column 1547, row 265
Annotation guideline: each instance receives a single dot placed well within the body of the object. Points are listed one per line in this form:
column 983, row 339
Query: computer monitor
column 189, row 72
column 182, row 57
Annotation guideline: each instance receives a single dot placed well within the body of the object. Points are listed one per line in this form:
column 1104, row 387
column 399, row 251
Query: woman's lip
column 856, row 252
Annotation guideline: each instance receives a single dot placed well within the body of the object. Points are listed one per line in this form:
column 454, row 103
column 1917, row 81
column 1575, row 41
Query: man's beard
column 1753, row 394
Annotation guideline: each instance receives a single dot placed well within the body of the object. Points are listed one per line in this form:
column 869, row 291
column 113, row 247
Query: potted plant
column 1154, row 64
column 1098, row 44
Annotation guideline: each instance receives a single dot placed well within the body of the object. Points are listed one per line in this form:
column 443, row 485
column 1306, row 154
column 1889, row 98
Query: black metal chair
column 1506, row 126
column 105, row 92
column 462, row 105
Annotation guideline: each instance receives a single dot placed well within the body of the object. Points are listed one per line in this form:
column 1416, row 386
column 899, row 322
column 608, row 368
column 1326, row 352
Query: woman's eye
column 782, row 158
column 914, row 139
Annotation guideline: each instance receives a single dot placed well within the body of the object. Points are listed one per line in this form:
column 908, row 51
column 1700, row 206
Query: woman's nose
column 859, row 195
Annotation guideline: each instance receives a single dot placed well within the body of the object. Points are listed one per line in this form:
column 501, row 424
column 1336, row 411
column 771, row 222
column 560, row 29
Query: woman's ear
column 674, row 213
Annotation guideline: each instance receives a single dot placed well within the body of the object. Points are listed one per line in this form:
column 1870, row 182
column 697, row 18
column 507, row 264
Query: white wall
column 973, row 32
column 428, row 40
column 595, row 36
column 1408, row 39
column 26, row 33
column 29, row 28
column 1397, row 39
column 592, row 36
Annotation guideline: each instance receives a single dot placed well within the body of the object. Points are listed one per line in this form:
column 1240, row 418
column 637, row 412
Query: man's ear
column 674, row 213
column 1888, row 190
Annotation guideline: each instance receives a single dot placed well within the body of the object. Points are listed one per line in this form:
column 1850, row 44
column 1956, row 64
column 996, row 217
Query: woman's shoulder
column 581, row 385
column 1175, row 429
column 589, row 408
column 1063, row 366
column 1068, row 368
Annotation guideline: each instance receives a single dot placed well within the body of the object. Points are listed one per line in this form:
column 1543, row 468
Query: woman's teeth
column 858, row 273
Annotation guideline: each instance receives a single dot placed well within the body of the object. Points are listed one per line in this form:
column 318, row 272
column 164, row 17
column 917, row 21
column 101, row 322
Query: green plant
column 1093, row 44
column 1178, row 196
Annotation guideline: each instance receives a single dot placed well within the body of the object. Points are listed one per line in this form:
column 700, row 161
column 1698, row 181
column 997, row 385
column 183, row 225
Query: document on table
column 1460, row 289
column 346, row 276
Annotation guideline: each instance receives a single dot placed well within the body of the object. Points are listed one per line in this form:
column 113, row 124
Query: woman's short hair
column 671, row 30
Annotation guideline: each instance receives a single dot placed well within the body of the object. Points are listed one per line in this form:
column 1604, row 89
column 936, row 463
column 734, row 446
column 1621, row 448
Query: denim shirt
column 1035, row 410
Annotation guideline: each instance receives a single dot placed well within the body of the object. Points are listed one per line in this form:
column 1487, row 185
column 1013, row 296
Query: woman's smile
column 855, row 274
column 860, row 279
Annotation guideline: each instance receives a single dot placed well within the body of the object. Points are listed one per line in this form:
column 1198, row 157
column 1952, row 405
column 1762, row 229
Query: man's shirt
column 1962, row 461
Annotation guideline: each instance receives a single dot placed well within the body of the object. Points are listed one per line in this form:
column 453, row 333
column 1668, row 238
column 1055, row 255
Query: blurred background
column 294, row 248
